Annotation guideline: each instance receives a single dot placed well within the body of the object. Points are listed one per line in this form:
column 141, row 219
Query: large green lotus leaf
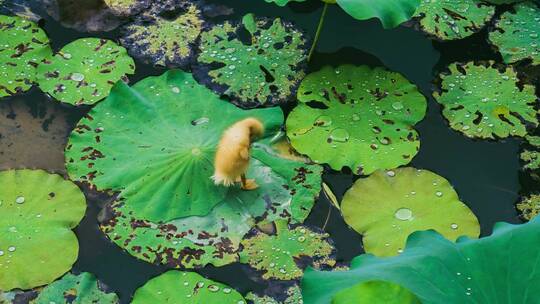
column 529, row 206
column 127, row 7
column 266, row 71
column 387, row 207
column 275, row 255
column 366, row 122
column 23, row 46
column 453, row 19
column 164, row 40
column 375, row 292
column 84, row 71
column 145, row 140
column 501, row 268
column 517, row 34
column 177, row 287
column 77, row 289
column 391, row 13
column 291, row 295
column 287, row 191
column 483, row 102
column 37, row 212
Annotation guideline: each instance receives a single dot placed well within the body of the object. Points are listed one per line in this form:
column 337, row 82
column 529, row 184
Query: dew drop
column 454, row 226
column 301, row 239
column 391, row 173
column 339, row 135
column 77, row 77
column 200, row 121
column 19, row 199
column 323, row 121
column 404, row 214
column 175, row 90
column 227, row 290
column 213, row 288
column 11, row 248
column 397, row 105
column 438, row 193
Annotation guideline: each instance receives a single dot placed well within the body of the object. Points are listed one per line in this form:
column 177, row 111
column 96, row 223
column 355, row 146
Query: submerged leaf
column 154, row 143
column 483, row 102
column 81, row 288
column 357, row 117
column 529, row 207
column 517, row 34
column 387, row 207
column 265, row 70
column 165, row 35
column 85, row 16
column 37, row 212
column 501, row 266
column 23, row 46
column 276, row 255
column 185, row 288
column 453, row 19
column 127, row 7
column 84, row 71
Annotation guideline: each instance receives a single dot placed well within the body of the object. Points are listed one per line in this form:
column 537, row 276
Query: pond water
column 486, row 174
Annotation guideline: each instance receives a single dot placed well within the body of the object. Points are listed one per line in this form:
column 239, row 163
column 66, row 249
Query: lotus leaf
column 488, row 270
column 23, row 46
column 276, row 255
column 177, row 287
column 292, row 295
column 362, row 118
column 37, row 212
column 391, row 13
column 84, row 71
column 77, row 289
column 529, row 207
column 453, row 19
column 375, row 292
column 127, row 7
column 517, row 34
column 484, row 102
column 163, row 39
column 266, row 71
column 170, row 126
column 283, row 2
column 388, row 206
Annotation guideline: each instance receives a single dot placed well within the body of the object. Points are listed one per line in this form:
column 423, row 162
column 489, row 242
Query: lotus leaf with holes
column 362, row 118
column 37, row 212
column 275, row 256
column 481, row 101
column 186, row 288
column 517, row 35
column 436, row 270
column 84, row 71
column 23, row 45
column 453, row 19
column 388, row 206
column 265, row 71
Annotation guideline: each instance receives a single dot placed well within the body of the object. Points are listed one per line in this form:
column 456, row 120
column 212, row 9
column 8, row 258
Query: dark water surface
column 33, row 132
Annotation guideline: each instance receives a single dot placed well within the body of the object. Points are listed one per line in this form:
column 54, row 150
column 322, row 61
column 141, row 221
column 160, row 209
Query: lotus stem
column 318, row 32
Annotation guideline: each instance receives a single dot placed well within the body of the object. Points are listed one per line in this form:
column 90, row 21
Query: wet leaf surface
column 357, row 117
column 391, row 13
column 23, row 46
column 37, row 212
column 375, row 292
column 482, row 101
column 388, row 206
column 84, row 71
column 262, row 69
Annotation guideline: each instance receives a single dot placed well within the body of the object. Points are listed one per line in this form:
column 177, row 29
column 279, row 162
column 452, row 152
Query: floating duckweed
column 399, row 213
column 371, row 113
column 453, row 19
column 275, row 60
column 23, row 47
column 506, row 111
column 284, row 248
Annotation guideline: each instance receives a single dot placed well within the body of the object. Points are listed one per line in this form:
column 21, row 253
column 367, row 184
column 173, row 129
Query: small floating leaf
column 517, row 34
column 500, row 266
column 81, row 288
column 265, row 71
column 185, row 288
column 84, row 71
column 453, row 19
column 127, row 7
column 530, row 156
column 276, row 255
column 164, row 40
column 529, row 206
column 292, row 295
column 386, row 208
column 484, row 102
column 37, row 212
column 363, row 118
column 23, row 45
